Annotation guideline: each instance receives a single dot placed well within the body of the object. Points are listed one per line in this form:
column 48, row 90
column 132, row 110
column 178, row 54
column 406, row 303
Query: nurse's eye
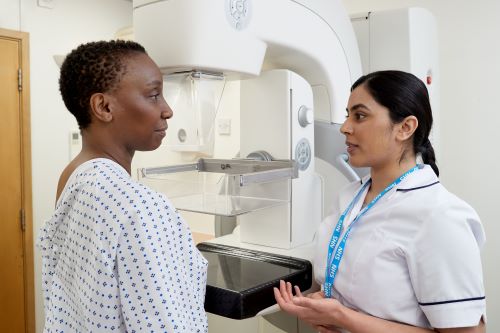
column 359, row 116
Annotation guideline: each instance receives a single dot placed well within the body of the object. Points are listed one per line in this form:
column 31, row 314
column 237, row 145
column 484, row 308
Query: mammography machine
column 296, row 60
column 241, row 39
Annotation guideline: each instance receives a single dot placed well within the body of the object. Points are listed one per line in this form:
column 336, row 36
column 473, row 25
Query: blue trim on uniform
column 454, row 301
column 417, row 188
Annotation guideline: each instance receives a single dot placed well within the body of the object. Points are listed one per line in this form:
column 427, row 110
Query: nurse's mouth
column 351, row 147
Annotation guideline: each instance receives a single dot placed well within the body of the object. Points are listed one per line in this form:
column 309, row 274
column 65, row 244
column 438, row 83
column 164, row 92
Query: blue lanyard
column 332, row 265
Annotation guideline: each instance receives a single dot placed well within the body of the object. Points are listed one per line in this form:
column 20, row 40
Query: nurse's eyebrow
column 357, row 107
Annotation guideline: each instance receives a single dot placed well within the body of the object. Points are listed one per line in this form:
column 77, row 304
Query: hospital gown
column 117, row 257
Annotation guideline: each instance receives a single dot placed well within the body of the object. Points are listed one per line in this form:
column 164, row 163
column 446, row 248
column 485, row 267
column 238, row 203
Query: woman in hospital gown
column 117, row 257
column 399, row 253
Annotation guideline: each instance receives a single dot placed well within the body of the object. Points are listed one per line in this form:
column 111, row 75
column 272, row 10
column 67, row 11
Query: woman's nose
column 167, row 112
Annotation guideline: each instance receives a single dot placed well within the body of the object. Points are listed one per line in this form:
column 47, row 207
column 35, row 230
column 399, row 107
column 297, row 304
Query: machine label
column 238, row 13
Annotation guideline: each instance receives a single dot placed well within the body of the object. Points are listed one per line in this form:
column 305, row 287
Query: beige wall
column 469, row 47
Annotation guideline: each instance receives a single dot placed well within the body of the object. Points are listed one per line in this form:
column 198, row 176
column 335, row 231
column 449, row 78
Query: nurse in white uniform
column 399, row 253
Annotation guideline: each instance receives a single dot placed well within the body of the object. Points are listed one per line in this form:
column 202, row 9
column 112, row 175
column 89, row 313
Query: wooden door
column 16, row 259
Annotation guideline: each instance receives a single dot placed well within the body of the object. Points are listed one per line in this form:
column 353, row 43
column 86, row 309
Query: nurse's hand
column 323, row 329
column 314, row 309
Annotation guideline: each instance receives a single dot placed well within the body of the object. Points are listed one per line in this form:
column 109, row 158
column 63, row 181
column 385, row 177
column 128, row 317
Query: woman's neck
column 93, row 147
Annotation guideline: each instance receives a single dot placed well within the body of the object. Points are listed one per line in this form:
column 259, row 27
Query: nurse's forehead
column 360, row 92
column 361, row 99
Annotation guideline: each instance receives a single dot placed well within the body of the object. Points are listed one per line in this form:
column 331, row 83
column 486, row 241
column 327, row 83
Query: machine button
column 306, row 116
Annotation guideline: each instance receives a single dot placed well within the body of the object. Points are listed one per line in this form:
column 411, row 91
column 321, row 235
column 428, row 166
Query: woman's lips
column 161, row 132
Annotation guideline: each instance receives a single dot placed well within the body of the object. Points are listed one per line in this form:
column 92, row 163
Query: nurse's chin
column 356, row 163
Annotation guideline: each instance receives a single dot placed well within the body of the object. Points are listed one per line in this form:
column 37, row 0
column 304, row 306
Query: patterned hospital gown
column 117, row 257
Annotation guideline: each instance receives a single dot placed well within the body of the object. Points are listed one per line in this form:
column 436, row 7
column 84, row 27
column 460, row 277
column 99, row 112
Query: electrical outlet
column 75, row 143
column 46, row 3
column 224, row 126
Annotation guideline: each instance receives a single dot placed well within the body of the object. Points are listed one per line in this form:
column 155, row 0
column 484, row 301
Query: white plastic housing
column 270, row 106
column 313, row 38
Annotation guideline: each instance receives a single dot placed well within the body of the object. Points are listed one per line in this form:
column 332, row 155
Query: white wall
column 469, row 46
column 55, row 31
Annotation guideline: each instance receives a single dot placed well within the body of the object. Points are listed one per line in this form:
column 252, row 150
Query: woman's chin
column 151, row 146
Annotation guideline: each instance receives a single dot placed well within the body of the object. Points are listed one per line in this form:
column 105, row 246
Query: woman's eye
column 155, row 97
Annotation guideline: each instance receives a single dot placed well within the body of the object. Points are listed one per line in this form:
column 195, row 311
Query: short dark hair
column 404, row 95
column 92, row 68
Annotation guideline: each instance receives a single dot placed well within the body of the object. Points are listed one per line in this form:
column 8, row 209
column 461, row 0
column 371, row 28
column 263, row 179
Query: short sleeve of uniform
column 445, row 266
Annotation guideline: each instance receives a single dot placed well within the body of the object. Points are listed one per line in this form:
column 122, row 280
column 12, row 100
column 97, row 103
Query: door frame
column 26, row 197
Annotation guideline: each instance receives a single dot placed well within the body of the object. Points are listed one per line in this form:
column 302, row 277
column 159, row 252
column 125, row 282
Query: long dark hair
column 404, row 95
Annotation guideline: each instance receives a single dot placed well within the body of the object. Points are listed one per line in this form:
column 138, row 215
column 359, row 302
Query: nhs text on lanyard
column 332, row 264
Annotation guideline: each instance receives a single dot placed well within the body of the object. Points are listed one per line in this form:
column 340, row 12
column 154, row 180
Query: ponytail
column 428, row 155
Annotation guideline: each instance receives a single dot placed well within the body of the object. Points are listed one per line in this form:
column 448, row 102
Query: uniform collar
column 421, row 178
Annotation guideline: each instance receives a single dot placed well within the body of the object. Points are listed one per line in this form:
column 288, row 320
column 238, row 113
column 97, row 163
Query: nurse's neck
column 383, row 176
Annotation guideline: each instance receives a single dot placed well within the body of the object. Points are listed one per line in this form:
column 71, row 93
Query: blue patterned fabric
column 117, row 257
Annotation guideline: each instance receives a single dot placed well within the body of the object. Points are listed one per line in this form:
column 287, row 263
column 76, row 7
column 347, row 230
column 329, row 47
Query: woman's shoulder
column 113, row 178
column 105, row 184
column 72, row 176
column 64, row 177
column 98, row 176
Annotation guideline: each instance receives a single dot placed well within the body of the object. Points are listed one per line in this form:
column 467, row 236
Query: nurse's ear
column 100, row 107
column 406, row 128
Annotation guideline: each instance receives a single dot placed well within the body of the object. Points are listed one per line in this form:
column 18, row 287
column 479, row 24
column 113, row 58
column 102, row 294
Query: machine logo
column 238, row 13
column 303, row 154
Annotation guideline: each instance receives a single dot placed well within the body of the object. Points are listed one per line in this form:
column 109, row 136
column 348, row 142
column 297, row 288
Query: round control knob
column 306, row 116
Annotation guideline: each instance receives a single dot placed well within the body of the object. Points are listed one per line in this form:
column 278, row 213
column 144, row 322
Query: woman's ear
column 407, row 127
column 99, row 107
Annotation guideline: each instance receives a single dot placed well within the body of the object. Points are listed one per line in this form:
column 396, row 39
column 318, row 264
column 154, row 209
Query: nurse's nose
column 346, row 127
